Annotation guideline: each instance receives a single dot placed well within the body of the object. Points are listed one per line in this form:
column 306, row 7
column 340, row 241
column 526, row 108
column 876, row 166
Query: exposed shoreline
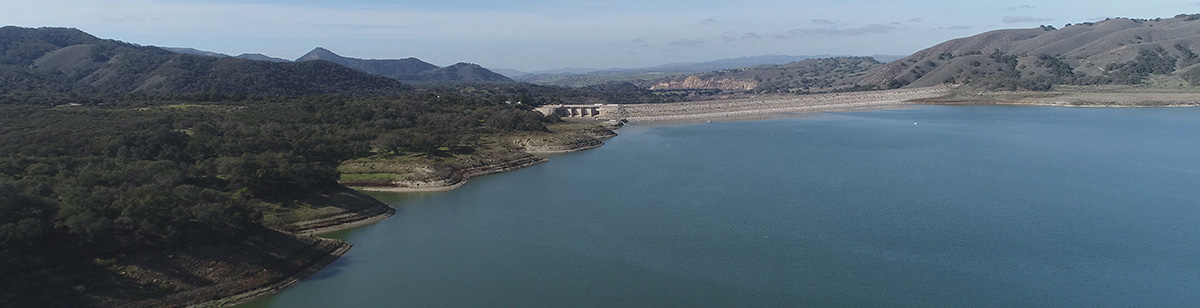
column 319, row 254
column 458, row 179
column 1103, row 105
column 339, row 222
column 742, row 108
column 322, row 258
column 1075, row 97
column 752, row 108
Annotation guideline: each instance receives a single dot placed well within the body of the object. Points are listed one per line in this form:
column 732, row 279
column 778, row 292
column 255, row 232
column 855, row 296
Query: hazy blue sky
column 544, row 34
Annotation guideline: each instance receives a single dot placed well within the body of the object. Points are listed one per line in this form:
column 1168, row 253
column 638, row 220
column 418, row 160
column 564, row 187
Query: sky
column 532, row 35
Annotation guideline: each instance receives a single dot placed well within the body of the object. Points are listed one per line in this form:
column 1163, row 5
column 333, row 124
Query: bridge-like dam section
column 747, row 106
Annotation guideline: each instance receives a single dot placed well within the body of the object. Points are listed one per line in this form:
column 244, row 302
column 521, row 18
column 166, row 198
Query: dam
column 727, row 108
column 597, row 111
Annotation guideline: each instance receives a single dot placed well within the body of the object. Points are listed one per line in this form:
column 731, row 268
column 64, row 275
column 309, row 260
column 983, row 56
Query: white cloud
column 836, row 31
column 1022, row 19
column 959, row 27
column 534, row 34
column 686, row 43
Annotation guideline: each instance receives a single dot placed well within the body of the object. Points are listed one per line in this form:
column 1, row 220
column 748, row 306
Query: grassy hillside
column 807, row 76
column 1113, row 51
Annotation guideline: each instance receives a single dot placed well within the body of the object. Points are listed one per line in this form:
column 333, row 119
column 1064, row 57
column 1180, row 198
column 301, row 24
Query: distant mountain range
column 410, row 70
column 46, row 62
column 60, row 61
column 414, row 70
column 248, row 56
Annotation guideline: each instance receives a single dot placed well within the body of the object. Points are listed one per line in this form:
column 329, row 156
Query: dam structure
column 597, row 111
column 743, row 107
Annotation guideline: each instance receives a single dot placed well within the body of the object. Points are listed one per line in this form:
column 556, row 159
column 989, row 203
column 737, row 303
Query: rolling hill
column 1112, row 51
column 46, row 62
column 1121, row 51
column 261, row 57
column 806, row 76
column 581, row 77
column 410, row 69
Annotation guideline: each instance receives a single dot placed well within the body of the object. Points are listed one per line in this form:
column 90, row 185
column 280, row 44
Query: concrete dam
column 598, row 111
column 774, row 104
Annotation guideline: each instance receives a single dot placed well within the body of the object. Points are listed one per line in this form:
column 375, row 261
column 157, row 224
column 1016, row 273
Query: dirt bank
column 1076, row 96
column 457, row 179
column 213, row 276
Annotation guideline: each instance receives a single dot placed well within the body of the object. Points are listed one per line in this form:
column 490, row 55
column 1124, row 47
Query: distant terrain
column 165, row 177
column 1120, row 51
column 50, row 64
column 1112, row 51
column 806, row 76
column 411, row 70
column 579, row 77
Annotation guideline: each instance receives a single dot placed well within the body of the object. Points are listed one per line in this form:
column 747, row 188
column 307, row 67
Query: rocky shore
column 1076, row 96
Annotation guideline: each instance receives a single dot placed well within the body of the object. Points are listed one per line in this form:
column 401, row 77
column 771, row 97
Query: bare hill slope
column 1113, row 51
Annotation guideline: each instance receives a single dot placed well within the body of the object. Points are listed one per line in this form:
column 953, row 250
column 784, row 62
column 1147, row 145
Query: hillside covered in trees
column 60, row 64
column 79, row 183
column 115, row 157
column 410, row 69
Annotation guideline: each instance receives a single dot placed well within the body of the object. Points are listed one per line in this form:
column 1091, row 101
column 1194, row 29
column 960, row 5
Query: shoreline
column 322, row 226
column 323, row 251
column 348, row 225
column 1100, row 105
column 809, row 103
column 458, row 179
column 1074, row 97
column 766, row 112
column 340, row 249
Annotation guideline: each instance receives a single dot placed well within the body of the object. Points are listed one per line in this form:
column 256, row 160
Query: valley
column 140, row 176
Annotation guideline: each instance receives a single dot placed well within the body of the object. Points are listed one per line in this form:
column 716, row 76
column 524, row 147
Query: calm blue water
column 970, row 207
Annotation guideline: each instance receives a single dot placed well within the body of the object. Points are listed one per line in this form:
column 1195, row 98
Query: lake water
column 937, row 206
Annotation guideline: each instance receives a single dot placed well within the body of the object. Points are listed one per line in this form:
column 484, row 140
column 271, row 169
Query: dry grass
column 1079, row 96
